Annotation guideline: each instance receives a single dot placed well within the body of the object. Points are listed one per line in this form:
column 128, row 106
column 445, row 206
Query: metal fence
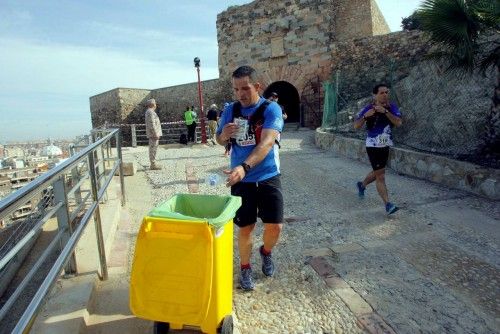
column 68, row 194
column 171, row 133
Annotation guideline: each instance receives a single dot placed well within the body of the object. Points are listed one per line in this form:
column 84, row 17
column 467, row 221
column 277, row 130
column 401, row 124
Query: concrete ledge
column 448, row 172
column 66, row 308
column 129, row 169
column 87, row 257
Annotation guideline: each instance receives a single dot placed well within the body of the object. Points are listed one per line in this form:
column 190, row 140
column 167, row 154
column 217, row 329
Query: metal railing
column 171, row 132
column 71, row 194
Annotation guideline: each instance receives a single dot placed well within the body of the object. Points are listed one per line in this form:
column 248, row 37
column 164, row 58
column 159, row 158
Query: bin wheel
column 161, row 327
column 227, row 325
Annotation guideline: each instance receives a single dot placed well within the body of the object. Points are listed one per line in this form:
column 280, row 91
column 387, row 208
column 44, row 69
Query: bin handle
column 168, row 235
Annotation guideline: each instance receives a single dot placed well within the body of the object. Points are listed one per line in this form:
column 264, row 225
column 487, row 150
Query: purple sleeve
column 363, row 111
column 395, row 110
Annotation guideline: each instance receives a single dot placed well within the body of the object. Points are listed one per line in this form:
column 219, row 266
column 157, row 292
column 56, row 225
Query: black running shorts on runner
column 263, row 199
column 378, row 156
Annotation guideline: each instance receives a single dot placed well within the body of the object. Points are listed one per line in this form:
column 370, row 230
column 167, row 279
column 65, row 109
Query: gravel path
column 343, row 266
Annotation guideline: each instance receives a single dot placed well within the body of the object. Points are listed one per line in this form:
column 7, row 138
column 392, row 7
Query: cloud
column 137, row 36
column 86, row 70
column 45, row 87
column 14, row 18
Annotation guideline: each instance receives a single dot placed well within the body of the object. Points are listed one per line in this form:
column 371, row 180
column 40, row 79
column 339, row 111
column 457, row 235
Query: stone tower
column 290, row 42
column 292, row 31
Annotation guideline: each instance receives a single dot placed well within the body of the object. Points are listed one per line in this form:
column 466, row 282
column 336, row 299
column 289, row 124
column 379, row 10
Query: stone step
column 291, row 126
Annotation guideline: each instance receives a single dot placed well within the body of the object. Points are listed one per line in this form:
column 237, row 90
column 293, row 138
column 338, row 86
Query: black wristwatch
column 246, row 167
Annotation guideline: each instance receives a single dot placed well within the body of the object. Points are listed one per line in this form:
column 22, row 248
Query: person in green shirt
column 190, row 120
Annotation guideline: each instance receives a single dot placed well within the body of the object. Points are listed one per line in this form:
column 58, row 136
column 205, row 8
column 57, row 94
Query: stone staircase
column 291, row 126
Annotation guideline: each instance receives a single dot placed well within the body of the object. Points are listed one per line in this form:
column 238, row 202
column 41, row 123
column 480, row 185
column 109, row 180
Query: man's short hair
column 376, row 88
column 150, row 102
column 245, row 71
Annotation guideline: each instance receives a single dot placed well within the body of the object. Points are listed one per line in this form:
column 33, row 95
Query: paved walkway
column 343, row 266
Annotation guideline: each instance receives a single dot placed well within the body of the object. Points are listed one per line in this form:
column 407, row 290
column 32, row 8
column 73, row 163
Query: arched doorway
column 288, row 98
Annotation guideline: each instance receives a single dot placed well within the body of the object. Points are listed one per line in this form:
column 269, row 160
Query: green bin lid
column 215, row 209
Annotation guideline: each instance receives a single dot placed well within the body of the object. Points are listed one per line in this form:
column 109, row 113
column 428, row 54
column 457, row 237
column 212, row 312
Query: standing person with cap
column 153, row 132
column 212, row 116
column 274, row 98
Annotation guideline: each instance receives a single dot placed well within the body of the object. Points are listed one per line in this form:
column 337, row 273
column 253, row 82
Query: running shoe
column 361, row 189
column 390, row 208
column 267, row 263
column 246, row 281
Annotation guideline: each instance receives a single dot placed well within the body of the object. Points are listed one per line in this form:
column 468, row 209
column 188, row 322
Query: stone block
column 435, row 169
column 356, row 304
column 318, row 252
column 336, row 282
column 374, row 324
column 322, row 267
column 448, row 171
column 347, row 248
column 129, row 169
column 490, row 187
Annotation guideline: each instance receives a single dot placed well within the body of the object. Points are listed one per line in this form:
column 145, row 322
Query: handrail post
column 108, row 152
column 97, row 218
column 63, row 222
column 120, row 159
column 134, row 135
column 101, row 181
column 74, row 177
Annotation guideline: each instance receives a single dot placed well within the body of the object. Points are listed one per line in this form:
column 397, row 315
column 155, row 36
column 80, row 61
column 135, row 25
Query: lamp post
column 200, row 97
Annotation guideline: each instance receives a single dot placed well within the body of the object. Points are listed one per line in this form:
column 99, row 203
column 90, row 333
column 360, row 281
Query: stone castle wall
column 296, row 41
column 275, row 33
column 291, row 33
column 132, row 101
column 127, row 105
column 300, row 42
column 379, row 25
column 172, row 101
column 355, row 19
column 364, row 62
column 449, row 172
column 104, row 108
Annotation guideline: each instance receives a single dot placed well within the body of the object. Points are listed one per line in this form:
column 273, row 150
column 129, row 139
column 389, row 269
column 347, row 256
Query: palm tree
column 467, row 35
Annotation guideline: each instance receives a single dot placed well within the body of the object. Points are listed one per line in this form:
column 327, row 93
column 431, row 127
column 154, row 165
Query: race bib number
column 383, row 140
column 244, row 137
column 248, row 140
column 242, row 128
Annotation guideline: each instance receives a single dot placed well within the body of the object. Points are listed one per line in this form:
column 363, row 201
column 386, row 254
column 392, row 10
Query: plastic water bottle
column 213, row 179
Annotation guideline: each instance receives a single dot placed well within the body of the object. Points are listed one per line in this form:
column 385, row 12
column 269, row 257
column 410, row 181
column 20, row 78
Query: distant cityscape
column 22, row 162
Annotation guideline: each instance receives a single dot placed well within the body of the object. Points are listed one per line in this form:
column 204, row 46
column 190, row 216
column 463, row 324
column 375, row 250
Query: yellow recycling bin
column 182, row 274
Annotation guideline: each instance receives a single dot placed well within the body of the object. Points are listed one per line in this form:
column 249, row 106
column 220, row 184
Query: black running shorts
column 259, row 199
column 378, row 156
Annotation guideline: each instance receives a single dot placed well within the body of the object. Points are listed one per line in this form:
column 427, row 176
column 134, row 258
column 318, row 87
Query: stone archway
column 288, row 98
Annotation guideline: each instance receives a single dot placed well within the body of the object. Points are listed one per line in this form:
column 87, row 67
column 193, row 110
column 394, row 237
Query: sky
column 55, row 54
